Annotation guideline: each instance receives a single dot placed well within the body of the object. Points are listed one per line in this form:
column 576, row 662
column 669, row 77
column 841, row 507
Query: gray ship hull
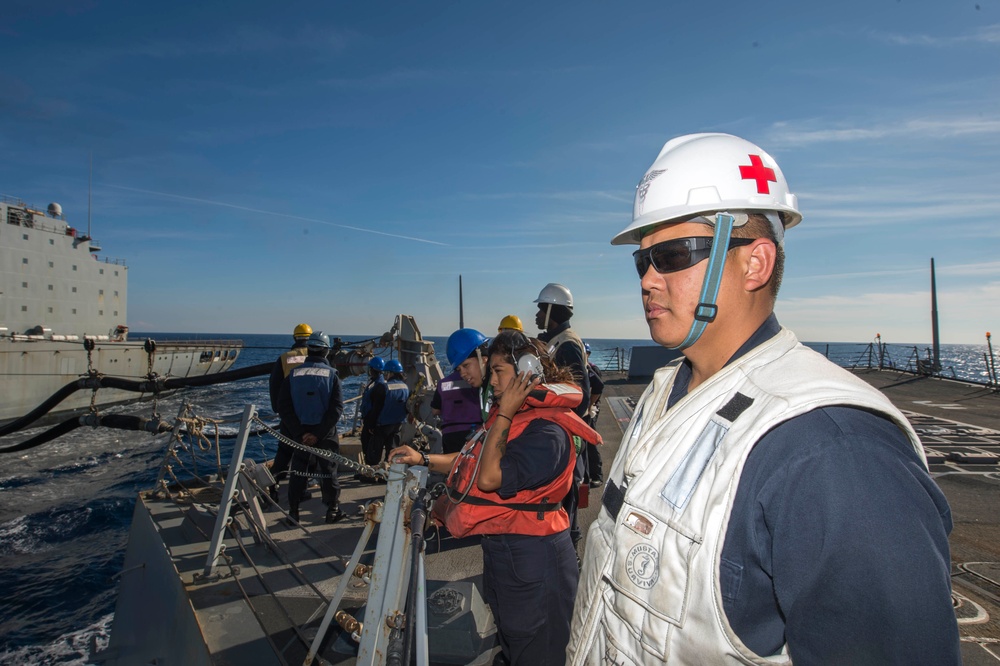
column 32, row 370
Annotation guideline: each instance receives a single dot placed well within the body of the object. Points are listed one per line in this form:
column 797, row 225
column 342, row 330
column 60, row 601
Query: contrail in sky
column 268, row 212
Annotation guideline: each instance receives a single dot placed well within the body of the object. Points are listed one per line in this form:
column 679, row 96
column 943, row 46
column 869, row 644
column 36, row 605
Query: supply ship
column 63, row 314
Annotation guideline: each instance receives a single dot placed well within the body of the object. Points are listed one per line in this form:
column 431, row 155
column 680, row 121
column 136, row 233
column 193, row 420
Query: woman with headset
column 507, row 485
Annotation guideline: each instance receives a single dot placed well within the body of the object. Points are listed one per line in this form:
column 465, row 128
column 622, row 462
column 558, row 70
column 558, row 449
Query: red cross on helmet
column 709, row 173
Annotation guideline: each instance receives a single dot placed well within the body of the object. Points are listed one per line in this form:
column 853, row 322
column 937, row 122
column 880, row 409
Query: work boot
column 333, row 513
column 272, row 491
column 293, row 516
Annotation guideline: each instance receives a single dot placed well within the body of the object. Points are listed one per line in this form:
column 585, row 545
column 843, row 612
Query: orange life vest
column 466, row 509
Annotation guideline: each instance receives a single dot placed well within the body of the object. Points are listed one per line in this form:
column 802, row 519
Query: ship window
column 74, row 290
column 100, row 292
column 116, row 273
column 50, row 287
column 51, row 265
column 24, row 236
column 100, row 312
column 74, row 267
column 50, row 310
column 102, row 271
column 116, row 313
column 116, row 292
column 24, row 308
column 51, row 242
column 24, row 260
column 74, row 310
column 24, row 284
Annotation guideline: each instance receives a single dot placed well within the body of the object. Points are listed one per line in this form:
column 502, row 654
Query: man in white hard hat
column 555, row 309
column 765, row 505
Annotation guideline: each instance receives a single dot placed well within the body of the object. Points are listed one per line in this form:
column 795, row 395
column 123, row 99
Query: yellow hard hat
column 511, row 321
column 302, row 331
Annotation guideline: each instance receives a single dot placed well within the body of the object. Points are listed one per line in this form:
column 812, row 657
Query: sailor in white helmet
column 555, row 309
column 765, row 505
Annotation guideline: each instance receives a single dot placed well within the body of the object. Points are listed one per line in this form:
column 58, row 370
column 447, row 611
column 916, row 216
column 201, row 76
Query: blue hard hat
column 393, row 366
column 376, row 364
column 462, row 343
column 318, row 340
column 586, row 347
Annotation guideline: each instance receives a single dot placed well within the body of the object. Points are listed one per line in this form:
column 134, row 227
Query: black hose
column 117, row 421
column 418, row 517
column 45, row 407
column 137, row 386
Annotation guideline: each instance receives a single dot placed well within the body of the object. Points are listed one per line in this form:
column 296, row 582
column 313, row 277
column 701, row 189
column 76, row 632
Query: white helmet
column 710, row 173
column 556, row 294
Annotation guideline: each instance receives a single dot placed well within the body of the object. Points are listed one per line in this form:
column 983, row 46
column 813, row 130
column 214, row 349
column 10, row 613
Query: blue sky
column 259, row 164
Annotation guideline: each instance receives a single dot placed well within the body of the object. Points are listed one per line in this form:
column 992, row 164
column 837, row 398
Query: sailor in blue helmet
column 467, row 353
column 392, row 414
column 456, row 400
column 371, row 405
column 310, row 403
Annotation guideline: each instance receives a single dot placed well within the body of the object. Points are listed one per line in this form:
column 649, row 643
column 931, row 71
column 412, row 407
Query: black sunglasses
column 679, row 253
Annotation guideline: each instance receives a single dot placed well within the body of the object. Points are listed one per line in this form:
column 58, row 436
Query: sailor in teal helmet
column 311, row 403
column 467, row 354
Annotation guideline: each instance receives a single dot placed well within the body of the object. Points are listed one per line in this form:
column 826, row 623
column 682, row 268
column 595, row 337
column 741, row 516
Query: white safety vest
column 649, row 591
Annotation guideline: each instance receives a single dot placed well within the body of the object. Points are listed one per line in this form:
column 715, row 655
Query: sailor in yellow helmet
column 510, row 323
column 292, row 358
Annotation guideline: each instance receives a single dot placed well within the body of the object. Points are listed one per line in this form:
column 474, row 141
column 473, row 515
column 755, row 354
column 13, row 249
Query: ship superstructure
column 63, row 314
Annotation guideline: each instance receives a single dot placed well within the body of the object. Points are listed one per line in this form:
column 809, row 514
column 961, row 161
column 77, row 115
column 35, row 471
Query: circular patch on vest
column 643, row 565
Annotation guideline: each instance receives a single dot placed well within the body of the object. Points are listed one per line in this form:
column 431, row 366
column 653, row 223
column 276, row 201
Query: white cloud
column 989, row 35
column 786, row 134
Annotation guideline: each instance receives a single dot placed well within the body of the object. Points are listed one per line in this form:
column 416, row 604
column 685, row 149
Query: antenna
column 90, row 192
column 934, row 322
column 461, row 304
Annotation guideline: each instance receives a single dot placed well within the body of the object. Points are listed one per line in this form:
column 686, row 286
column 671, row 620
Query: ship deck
column 959, row 424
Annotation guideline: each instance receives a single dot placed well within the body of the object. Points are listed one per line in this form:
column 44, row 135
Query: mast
column 90, row 190
column 936, row 367
column 461, row 304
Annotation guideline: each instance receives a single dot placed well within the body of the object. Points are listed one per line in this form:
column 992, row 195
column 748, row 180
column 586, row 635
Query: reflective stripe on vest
column 460, row 409
column 293, row 358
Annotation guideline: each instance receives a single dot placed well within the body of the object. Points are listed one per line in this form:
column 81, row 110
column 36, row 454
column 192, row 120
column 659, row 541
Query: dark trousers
column 452, row 442
column 282, row 459
column 530, row 584
column 572, row 500
column 329, row 484
column 595, row 466
column 384, row 438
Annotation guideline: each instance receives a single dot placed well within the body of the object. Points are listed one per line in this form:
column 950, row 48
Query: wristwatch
column 426, row 459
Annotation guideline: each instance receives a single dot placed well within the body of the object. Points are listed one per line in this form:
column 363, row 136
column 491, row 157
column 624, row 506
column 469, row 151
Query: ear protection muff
column 526, row 360
column 531, row 364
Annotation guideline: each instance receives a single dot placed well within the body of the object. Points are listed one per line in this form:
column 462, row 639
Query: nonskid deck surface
column 288, row 587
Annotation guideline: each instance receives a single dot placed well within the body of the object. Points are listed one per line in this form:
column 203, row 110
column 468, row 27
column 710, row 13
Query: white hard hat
column 556, row 294
column 710, row 173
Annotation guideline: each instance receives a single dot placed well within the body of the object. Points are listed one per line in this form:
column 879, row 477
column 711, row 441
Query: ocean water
column 65, row 506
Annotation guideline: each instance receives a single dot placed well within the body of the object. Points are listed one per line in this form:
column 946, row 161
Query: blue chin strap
column 706, row 311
